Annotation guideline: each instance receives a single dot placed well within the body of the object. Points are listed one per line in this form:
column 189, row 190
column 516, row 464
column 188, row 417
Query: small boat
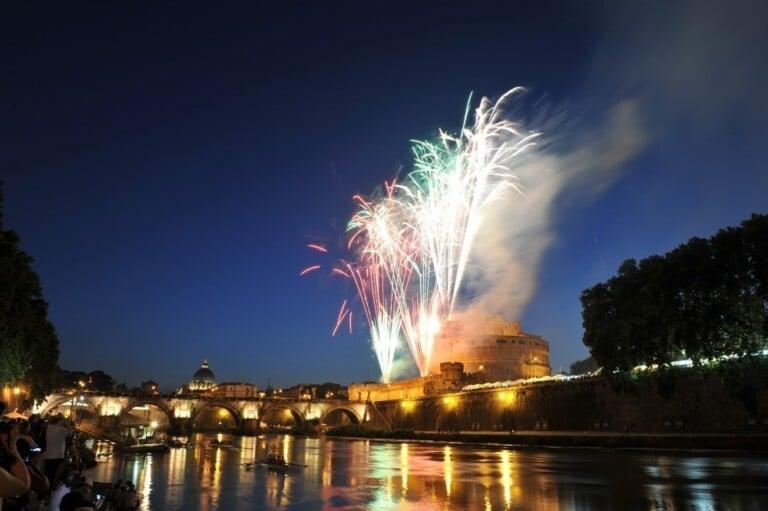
column 274, row 465
column 142, row 448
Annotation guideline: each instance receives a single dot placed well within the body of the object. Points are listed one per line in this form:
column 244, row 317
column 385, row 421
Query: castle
column 470, row 348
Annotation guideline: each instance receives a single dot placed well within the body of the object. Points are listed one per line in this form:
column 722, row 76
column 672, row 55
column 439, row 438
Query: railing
column 201, row 396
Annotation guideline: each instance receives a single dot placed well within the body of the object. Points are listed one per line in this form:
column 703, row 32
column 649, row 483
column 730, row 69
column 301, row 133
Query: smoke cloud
column 518, row 229
column 696, row 63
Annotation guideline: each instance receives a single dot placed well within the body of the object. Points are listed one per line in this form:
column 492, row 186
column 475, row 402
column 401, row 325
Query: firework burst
column 411, row 243
column 421, row 231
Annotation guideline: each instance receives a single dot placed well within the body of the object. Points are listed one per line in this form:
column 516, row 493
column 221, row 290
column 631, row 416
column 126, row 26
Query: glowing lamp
column 450, row 401
column 506, row 397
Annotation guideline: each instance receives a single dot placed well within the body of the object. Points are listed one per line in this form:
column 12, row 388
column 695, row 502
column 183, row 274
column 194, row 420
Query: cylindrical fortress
column 491, row 348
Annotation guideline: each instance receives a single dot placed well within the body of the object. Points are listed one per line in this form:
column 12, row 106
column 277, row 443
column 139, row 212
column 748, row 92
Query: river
column 352, row 475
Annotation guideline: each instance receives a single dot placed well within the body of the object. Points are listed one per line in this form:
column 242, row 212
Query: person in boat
column 275, row 459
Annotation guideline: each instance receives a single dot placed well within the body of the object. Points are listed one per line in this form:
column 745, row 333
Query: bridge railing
column 201, row 396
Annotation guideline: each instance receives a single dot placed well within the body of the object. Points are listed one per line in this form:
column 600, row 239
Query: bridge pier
column 181, row 426
column 250, row 427
column 110, row 423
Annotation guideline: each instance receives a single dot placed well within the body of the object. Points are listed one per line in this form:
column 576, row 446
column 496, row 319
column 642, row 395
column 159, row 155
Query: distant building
column 300, row 391
column 202, row 381
column 237, row 390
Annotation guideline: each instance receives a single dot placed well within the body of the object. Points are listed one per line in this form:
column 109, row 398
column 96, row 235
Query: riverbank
column 757, row 442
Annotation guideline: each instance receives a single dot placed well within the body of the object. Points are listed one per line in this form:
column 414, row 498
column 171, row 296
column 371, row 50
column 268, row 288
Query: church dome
column 203, row 379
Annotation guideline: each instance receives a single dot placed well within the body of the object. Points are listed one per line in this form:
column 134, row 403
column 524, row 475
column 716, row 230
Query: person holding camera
column 14, row 476
column 29, row 452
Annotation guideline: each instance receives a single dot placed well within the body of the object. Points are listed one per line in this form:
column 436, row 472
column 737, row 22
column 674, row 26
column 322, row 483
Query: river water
column 352, row 475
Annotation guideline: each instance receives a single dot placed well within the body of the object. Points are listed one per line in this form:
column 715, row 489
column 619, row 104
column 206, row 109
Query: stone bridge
column 249, row 414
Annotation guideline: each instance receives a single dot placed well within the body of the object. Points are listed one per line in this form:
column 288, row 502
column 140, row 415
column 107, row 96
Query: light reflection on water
column 353, row 475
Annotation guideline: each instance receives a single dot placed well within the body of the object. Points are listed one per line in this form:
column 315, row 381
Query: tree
column 584, row 366
column 704, row 299
column 29, row 348
column 100, row 381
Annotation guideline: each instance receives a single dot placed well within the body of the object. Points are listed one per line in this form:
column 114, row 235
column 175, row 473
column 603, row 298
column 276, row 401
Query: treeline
column 705, row 299
column 29, row 348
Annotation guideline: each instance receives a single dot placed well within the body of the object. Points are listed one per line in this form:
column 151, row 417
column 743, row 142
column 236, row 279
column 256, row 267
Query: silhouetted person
column 56, row 435
column 14, row 476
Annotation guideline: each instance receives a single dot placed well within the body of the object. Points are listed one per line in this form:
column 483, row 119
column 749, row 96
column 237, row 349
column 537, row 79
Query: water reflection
column 447, row 470
column 404, row 468
column 506, row 476
column 343, row 475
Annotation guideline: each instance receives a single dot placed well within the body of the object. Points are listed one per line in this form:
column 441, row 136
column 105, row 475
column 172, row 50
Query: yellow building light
column 506, row 397
column 408, row 406
column 16, row 391
column 451, row 402
column 223, row 413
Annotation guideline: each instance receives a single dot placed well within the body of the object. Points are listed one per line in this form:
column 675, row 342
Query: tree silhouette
column 705, row 299
column 29, row 348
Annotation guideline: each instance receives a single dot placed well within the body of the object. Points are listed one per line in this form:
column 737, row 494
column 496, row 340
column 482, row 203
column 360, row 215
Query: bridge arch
column 137, row 403
column 207, row 406
column 157, row 403
column 275, row 408
column 346, row 411
column 65, row 401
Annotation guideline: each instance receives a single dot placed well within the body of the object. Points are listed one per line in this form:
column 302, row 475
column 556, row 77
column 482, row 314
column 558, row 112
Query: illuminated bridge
column 186, row 413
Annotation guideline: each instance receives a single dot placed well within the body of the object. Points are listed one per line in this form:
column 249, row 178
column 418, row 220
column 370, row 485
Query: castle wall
column 450, row 378
column 699, row 405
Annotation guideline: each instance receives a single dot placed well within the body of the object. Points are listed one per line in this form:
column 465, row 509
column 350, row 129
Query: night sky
column 165, row 164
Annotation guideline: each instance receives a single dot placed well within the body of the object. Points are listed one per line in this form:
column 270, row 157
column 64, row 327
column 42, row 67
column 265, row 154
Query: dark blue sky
column 166, row 164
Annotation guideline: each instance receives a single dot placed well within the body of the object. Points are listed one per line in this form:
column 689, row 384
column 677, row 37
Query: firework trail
column 376, row 299
column 418, row 235
column 381, row 271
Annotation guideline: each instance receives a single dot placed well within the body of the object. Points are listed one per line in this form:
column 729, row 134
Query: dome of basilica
column 203, row 379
